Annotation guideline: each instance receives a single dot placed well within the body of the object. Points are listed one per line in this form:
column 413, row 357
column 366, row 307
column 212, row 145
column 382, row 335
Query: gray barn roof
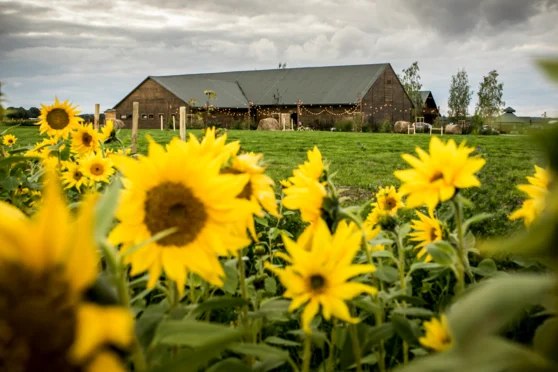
column 312, row 85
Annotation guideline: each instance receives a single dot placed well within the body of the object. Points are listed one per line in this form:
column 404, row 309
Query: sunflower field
column 190, row 258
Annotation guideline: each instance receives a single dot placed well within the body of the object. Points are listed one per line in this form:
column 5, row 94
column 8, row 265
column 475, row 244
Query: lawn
column 363, row 161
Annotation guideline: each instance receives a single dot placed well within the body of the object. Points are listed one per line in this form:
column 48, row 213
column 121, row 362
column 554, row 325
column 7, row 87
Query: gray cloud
column 97, row 51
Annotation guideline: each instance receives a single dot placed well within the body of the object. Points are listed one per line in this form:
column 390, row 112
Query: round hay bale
column 452, row 129
column 269, row 124
column 401, row 126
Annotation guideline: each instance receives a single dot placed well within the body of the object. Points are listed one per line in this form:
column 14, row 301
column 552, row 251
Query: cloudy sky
column 97, row 51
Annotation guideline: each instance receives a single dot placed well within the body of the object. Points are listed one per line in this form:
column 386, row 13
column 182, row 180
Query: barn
column 430, row 111
column 372, row 92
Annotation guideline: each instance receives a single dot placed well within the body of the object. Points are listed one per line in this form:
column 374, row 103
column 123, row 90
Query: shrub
column 23, row 123
column 385, row 127
column 344, row 125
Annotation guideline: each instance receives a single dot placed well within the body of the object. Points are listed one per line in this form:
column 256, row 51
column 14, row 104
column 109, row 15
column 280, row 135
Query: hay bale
column 269, row 124
column 401, row 127
column 452, row 129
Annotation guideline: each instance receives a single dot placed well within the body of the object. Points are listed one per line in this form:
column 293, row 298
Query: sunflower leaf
column 260, row 351
column 194, row 334
column 280, row 341
column 106, row 208
column 229, row 364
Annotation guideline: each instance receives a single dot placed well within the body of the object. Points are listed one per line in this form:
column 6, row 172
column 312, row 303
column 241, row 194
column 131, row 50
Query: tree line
column 490, row 93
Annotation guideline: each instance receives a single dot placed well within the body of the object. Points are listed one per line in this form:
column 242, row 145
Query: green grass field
column 363, row 161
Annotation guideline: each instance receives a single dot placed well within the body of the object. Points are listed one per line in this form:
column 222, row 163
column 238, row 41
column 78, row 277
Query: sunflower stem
column 403, row 284
column 356, row 347
column 243, row 292
column 460, row 248
column 331, row 358
column 307, row 356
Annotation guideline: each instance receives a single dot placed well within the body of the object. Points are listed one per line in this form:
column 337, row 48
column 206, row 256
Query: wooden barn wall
column 385, row 101
column 154, row 100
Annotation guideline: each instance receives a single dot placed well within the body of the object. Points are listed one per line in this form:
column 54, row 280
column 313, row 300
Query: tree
column 411, row 83
column 34, row 112
column 460, row 94
column 490, row 93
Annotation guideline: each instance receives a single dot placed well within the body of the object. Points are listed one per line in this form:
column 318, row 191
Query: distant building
column 430, row 111
column 336, row 92
column 508, row 122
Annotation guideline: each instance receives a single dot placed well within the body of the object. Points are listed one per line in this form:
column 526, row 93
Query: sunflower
column 85, row 140
column 111, row 152
column 74, row 177
column 59, row 119
column 97, row 168
column 259, row 189
column 306, row 190
column 437, row 335
column 183, row 189
column 213, row 146
column 427, row 230
column 9, row 140
column 107, row 131
column 537, row 191
column 389, row 200
column 436, row 176
column 47, row 263
column 320, row 276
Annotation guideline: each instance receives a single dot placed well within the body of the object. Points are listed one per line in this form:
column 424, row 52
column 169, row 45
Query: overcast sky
column 97, row 51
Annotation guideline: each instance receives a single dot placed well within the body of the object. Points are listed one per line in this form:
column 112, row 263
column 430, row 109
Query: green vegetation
column 363, row 161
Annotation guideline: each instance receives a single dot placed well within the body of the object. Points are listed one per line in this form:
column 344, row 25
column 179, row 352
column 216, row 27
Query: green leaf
column 193, row 333
column 228, row 365
column 550, row 67
column 288, row 213
column 318, row 337
column 476, row 218
column 270, row 285
column 383, row 254
column 546, row 338
column 9, row 183
column 491, row 305
column 487, row 267
column 280, row 341
column 267, row 365
column 411, row 300
column 442, row 252
column 424, row 265
column 370, row 359
column 379, row 333
column 230, row 284
column 261, row 221
column 221, row 302
column 105, row 208
column 14, row 159
column 260, row 351
column 403, row 329
column 368, row 305
column 413, row 311
column 387, row 274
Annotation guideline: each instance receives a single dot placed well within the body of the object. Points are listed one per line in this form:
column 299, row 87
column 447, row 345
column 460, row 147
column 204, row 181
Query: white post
column 161, row 117
column 174, row 122
column 182, row 123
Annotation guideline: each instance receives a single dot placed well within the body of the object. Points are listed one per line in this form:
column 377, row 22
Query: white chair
column 412, row 128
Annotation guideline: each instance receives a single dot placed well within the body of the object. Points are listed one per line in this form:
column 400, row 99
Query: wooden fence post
column 97, row 115
column 161, row 117
column 135, row 123
column 174, row 122
column 182, row 123
column 297, row 113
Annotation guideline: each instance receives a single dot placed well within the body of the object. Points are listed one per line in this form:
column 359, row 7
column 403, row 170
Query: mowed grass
column 363, row 161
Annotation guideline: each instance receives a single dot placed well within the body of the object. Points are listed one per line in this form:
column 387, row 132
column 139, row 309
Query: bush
column 344, row 125
column 385, row 127
column 23, row 123
column 321, row 123
column 239, row 124
column 488, row 131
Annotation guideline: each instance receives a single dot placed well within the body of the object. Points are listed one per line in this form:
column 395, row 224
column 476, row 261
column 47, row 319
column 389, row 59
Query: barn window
column 130, row 116
column 151, row 116
column 144, row 116
column 388, row 82
column 123, row 116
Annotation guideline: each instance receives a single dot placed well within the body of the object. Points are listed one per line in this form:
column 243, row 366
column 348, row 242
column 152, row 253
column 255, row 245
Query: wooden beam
column 161, row 117
column 174, row 122
column 183, row 123
column 97, row 115
column 135, row 124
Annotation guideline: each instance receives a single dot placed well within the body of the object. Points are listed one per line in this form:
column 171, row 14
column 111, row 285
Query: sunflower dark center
column 436, row 176
column 317, row 282
column 78, row 175
column 390, row 203
column 37, row 320
column 58, row 119
column 10, row 141
column 97, row 169
column 86, row 139
column 171, row 205
column 433, row 235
